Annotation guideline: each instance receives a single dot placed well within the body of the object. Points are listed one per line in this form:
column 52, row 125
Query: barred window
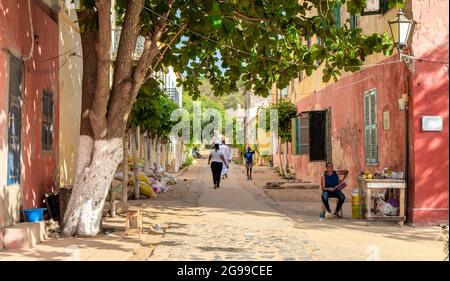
column 47, row 121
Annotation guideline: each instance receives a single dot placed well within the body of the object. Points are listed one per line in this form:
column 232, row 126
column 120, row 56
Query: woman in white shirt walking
column 216, row 159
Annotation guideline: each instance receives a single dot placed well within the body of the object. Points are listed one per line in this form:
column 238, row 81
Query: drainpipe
column 408, row 94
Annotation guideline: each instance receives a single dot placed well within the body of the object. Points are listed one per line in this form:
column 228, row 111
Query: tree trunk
column 150, row 147
column 84, row 211
column 112, row 201
column 135, row 164
column 158, row 151
column 125, row 169
column 146, row 164
column 286, row 156
column 105, row 111
column 282, row 171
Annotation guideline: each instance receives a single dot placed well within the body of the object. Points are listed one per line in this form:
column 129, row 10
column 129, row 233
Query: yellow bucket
column 358, row 204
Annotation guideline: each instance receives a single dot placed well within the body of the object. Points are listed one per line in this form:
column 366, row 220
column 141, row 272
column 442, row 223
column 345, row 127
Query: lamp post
column 400, row 28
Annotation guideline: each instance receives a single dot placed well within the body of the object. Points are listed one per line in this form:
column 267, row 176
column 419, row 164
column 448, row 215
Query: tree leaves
column 260, row 42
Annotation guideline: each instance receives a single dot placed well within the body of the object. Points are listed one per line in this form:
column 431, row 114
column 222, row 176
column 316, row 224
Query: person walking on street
column 248, row 155
column 227, row 155
column 217, row 160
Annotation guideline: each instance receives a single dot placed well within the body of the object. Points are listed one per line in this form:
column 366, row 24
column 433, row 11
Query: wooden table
column 368, row 187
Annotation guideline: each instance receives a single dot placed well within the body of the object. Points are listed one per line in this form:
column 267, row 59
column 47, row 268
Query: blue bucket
column 33, row 215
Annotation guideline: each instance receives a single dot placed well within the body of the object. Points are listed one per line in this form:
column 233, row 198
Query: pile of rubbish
column 151, row 180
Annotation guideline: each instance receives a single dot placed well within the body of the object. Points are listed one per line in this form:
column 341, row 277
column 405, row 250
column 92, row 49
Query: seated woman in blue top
column 328, row 183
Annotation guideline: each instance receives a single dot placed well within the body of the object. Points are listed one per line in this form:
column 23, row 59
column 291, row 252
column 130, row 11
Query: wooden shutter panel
column 294, row 151
column 370, row 127
column 304, row 134
column 373, row 127
column 337, row 14
column 297, row 135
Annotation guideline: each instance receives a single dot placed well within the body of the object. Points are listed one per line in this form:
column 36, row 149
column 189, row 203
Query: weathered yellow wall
column 70, row 94
column 369, row 24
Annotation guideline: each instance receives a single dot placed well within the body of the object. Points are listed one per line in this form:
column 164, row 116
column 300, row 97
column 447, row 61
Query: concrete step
column 291, row 185
column 23, row 235
column 299, row 185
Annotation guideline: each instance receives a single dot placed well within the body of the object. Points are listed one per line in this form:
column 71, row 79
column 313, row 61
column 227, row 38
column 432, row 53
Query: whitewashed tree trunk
column 158, row 152
column 135, row 165
column 283, row 172
column 125, row 169
column 146, row 163
column 84, row 211
column 150, row 147
column 286, row 157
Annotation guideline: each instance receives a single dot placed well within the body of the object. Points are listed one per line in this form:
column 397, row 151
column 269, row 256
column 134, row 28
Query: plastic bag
column 386, row 208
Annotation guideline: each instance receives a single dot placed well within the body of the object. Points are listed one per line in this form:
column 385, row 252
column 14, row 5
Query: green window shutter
column 353, row 21
column 370, row 127
column 297, row 136
column 293, row 136
column 385, row 5
column 337, row 14
column 304, row 134
column 319, row 43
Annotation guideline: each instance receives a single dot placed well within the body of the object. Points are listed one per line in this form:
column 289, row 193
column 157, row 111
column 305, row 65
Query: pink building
column 358, row 122
column 29, row 102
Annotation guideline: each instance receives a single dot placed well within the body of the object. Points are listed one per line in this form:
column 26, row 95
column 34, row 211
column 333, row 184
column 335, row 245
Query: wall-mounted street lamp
column 400, row 30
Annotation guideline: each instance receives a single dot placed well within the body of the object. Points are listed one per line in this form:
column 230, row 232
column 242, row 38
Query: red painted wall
column 346, row 101
column 39, row 168
column 429, row 180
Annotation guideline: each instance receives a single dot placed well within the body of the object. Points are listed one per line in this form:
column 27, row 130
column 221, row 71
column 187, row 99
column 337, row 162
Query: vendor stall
column 384, row 198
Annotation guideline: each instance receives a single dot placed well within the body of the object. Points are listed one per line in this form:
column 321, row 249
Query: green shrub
column 188, row 162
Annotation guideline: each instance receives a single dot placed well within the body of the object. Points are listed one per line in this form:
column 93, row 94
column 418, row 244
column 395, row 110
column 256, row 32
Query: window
column 317, row 143
column 47, row 121
column 337, row 14
column 300, row 135
column 373, row 7
column 370, row 127
column 295, row 135
column 319, row 43
column 14, row 120
column 284, row 92
column 385, row 6
column 353, row 21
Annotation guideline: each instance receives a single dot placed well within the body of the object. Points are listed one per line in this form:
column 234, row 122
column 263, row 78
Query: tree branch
column 97, row 114
column 170, row 44
column 151, row 47
column 127, row 43
column 123, row 99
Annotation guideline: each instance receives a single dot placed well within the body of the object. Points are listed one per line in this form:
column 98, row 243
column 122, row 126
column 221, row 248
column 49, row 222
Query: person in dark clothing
column 216, row 159
column 248, row 155
column 329, row 181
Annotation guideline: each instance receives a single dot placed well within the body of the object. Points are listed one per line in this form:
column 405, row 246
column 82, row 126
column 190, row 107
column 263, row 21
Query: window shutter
column 337, row 14
column 370, row 127
column 319, row 42
column 295, row 125
column 297, row 135
column 353, row 21
column 385, row 5
column 293, row 136
column 304, row 134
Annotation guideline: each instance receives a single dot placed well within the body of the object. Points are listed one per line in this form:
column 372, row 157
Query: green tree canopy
column 286, row 111
column 152, row 109
column 260, row 42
